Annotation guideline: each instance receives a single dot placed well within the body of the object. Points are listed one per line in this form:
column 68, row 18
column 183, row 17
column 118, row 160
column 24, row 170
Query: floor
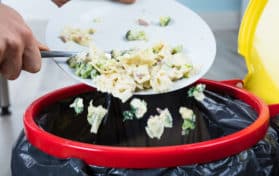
column 28, row 87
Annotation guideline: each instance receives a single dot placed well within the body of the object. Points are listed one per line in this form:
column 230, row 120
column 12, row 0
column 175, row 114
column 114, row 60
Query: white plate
column 115, row 19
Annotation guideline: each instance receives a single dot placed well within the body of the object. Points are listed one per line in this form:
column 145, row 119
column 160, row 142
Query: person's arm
column 19, row 50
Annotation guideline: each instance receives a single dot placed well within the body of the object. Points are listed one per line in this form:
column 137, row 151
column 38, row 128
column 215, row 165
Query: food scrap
column 164, row 21
column 122, row 73
column 95, row 116
column 133, row 35
column 156, row 124
column 138, row 109
column 189, row 119
column 143, row 22
column 80, row 36
column 77, row 105
column 197, row 92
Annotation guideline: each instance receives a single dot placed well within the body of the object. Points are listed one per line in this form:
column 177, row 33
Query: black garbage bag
column 217, row 115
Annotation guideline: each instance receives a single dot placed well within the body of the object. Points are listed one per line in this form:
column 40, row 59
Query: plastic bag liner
column 217, row 115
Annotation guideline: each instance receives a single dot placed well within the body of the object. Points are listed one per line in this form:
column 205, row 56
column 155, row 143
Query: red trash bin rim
column 146, row 157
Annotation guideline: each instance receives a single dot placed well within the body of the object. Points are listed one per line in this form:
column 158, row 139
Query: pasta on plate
column 123, row 72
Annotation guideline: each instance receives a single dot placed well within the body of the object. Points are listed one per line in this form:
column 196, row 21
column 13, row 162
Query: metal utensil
column 49, row 54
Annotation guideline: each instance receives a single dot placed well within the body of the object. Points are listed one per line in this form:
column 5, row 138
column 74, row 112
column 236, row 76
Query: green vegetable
column 128, row 115
column 72, row 62
column 86, row 71
column 177, row 49
column 187, row 126
column 82, row 69
column 77, row 105
column 165, row 20
column 133, row 35
column 197, row 89
column 79, row 68
column 94, row 73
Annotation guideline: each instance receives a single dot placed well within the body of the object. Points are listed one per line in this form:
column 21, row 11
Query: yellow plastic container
column 259, row 44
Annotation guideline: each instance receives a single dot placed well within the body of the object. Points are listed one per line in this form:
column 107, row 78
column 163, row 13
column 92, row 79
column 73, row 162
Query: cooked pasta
column 123, row 72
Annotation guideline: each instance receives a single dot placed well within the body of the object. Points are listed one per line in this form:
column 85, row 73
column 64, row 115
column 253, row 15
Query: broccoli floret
column 94, row 73
column 72, row 62
column 86, row 71
column 133, row 35
column 165, row 20
column 187, row 126
column 79, row 68
column 128, row 115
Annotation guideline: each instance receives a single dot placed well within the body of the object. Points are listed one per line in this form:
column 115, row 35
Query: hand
column 19, row 50
column 60, row 3
column 127, row 1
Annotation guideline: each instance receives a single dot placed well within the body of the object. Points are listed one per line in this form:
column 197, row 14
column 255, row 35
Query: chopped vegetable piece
column 187, row 113
column 177, row 49
column 197, row 92
column 128, row 115
column 138, row 109
column 189, row 119
column 94, row 73
column 187, row 126
column 77, row 105
column 86, row 72
column 95, row 116
column 165, row 20
column 133, row 35
column 72, row 62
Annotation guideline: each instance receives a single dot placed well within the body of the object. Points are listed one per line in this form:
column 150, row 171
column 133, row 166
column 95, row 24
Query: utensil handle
column 49, row 54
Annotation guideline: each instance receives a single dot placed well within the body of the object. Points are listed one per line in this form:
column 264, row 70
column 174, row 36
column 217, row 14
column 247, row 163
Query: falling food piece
column 156, row 124
column 121, row 73
column 189, row 119
column 77, row 105
column 95, row 116
column 197, row 92
column 155, row 127
column 139, row 107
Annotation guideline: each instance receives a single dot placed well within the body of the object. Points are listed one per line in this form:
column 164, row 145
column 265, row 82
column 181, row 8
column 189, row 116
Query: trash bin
column 230, row 137
column 232, row 134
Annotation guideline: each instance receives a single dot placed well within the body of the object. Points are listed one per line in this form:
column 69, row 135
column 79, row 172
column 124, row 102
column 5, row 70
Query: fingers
column 60, row 3
column 31, row 60
column 19, row 50
column 12, row 59
column 127, row 1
